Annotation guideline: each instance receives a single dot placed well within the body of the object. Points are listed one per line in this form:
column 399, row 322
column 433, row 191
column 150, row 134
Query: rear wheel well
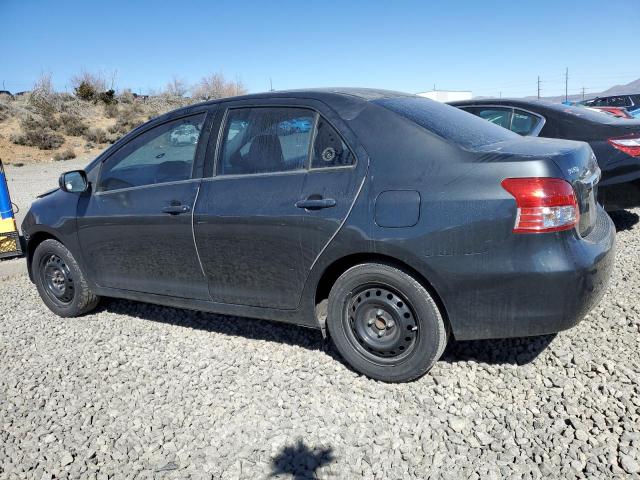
column 337, row 268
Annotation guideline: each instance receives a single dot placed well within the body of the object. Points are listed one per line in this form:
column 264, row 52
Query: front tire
column 384, row 323
column 60, row 283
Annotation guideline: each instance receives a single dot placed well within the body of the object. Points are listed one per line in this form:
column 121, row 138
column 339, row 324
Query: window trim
column 534, row 133
column 148, row 128
column 307, row 164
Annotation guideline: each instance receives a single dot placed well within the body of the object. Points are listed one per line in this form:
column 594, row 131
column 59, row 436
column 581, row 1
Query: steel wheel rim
column 57, row 279
column 381, row 324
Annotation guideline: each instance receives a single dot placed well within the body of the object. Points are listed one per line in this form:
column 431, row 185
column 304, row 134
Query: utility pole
column 500, row 94
column 583, row 93
column 538, row 87
column 566, row 85
column 270, row 85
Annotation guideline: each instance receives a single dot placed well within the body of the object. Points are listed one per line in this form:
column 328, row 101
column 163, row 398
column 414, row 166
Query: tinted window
column 622, row 101
column 162, row 154
column 636, row 100
column 497, row 116
column 329, row 150
column 523, row 123
column 446, row 121
column 265, row 140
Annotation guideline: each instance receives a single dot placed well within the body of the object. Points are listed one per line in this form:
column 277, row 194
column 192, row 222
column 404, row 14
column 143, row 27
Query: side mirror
column 74, row 181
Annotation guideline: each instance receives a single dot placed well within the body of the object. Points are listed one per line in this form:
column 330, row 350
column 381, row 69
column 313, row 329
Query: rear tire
column 60, row 283
column 384, row 323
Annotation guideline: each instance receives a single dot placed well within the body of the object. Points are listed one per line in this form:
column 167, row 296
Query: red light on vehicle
column 544, row 204
column 629, row 145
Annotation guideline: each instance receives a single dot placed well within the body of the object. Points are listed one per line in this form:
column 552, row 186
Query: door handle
column 176, row 209
column 316, row 203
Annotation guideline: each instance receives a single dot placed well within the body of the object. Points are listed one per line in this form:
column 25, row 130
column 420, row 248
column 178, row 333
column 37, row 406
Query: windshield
column 447, row 122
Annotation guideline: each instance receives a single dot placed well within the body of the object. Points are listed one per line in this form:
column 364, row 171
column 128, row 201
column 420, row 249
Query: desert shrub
column 113, row 137
column 85, row 91
column 95, row 81
column 111, row 110
column 176, row 87
column 66, row 154
column 36, row 132
column 96, row 135
column 108, row 97
column 5, row 111
column 73, row 125
column 127, row 120
column 126, row 96
column 215, row 86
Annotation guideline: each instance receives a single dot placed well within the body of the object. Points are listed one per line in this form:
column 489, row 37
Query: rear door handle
column 176, row 209
column 316, row 203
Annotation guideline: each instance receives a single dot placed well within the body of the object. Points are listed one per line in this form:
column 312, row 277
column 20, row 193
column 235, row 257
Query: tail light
column 544, row 204
column 629, row 145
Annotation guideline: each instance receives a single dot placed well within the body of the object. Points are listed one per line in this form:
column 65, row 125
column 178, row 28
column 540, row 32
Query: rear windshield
column 450, row 123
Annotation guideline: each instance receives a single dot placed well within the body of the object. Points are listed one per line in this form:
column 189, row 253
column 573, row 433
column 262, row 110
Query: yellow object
column 7, row 225
column 8, row 243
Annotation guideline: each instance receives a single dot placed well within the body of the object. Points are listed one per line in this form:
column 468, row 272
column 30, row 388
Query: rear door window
column 265, row 140
column 329, row 149
column 524, row 123
column 496, row 115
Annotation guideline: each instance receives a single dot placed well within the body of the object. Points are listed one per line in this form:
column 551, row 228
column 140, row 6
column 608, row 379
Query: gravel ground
column 141, row 391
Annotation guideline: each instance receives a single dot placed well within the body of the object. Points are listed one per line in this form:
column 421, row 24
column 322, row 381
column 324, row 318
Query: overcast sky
column 488, row 47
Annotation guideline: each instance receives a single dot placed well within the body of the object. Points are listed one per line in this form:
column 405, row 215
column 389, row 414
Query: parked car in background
column 186, row 134
column 626, row 101
column 619, row 112
column 393, row 224
column 615, row 141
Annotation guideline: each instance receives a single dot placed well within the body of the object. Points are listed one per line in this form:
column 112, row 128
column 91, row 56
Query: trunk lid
column 576, row 162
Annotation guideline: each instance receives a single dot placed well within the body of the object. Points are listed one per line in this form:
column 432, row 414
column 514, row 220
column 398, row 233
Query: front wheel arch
column 36, row 239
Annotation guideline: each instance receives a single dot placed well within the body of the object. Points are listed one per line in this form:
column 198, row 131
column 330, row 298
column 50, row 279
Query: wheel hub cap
column 381, row 322
column 57, row 279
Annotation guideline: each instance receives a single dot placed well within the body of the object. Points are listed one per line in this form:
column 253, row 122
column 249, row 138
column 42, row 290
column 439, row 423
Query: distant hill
column 629, row 88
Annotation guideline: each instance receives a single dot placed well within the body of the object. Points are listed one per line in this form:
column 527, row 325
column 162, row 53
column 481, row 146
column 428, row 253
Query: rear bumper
column 532, row 285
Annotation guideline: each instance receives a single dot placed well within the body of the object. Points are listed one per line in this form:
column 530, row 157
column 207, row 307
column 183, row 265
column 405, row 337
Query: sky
column 491, row 47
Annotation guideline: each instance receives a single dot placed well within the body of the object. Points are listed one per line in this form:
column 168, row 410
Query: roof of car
column 336, row 96
column 363, row 94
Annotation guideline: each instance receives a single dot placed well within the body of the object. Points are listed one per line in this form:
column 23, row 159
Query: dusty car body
column 393, row 224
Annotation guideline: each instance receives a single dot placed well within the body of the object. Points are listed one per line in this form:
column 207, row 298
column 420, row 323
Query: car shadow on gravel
column 249, row 328
column 516, row 351
column 300, row 461
column 624, row 219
